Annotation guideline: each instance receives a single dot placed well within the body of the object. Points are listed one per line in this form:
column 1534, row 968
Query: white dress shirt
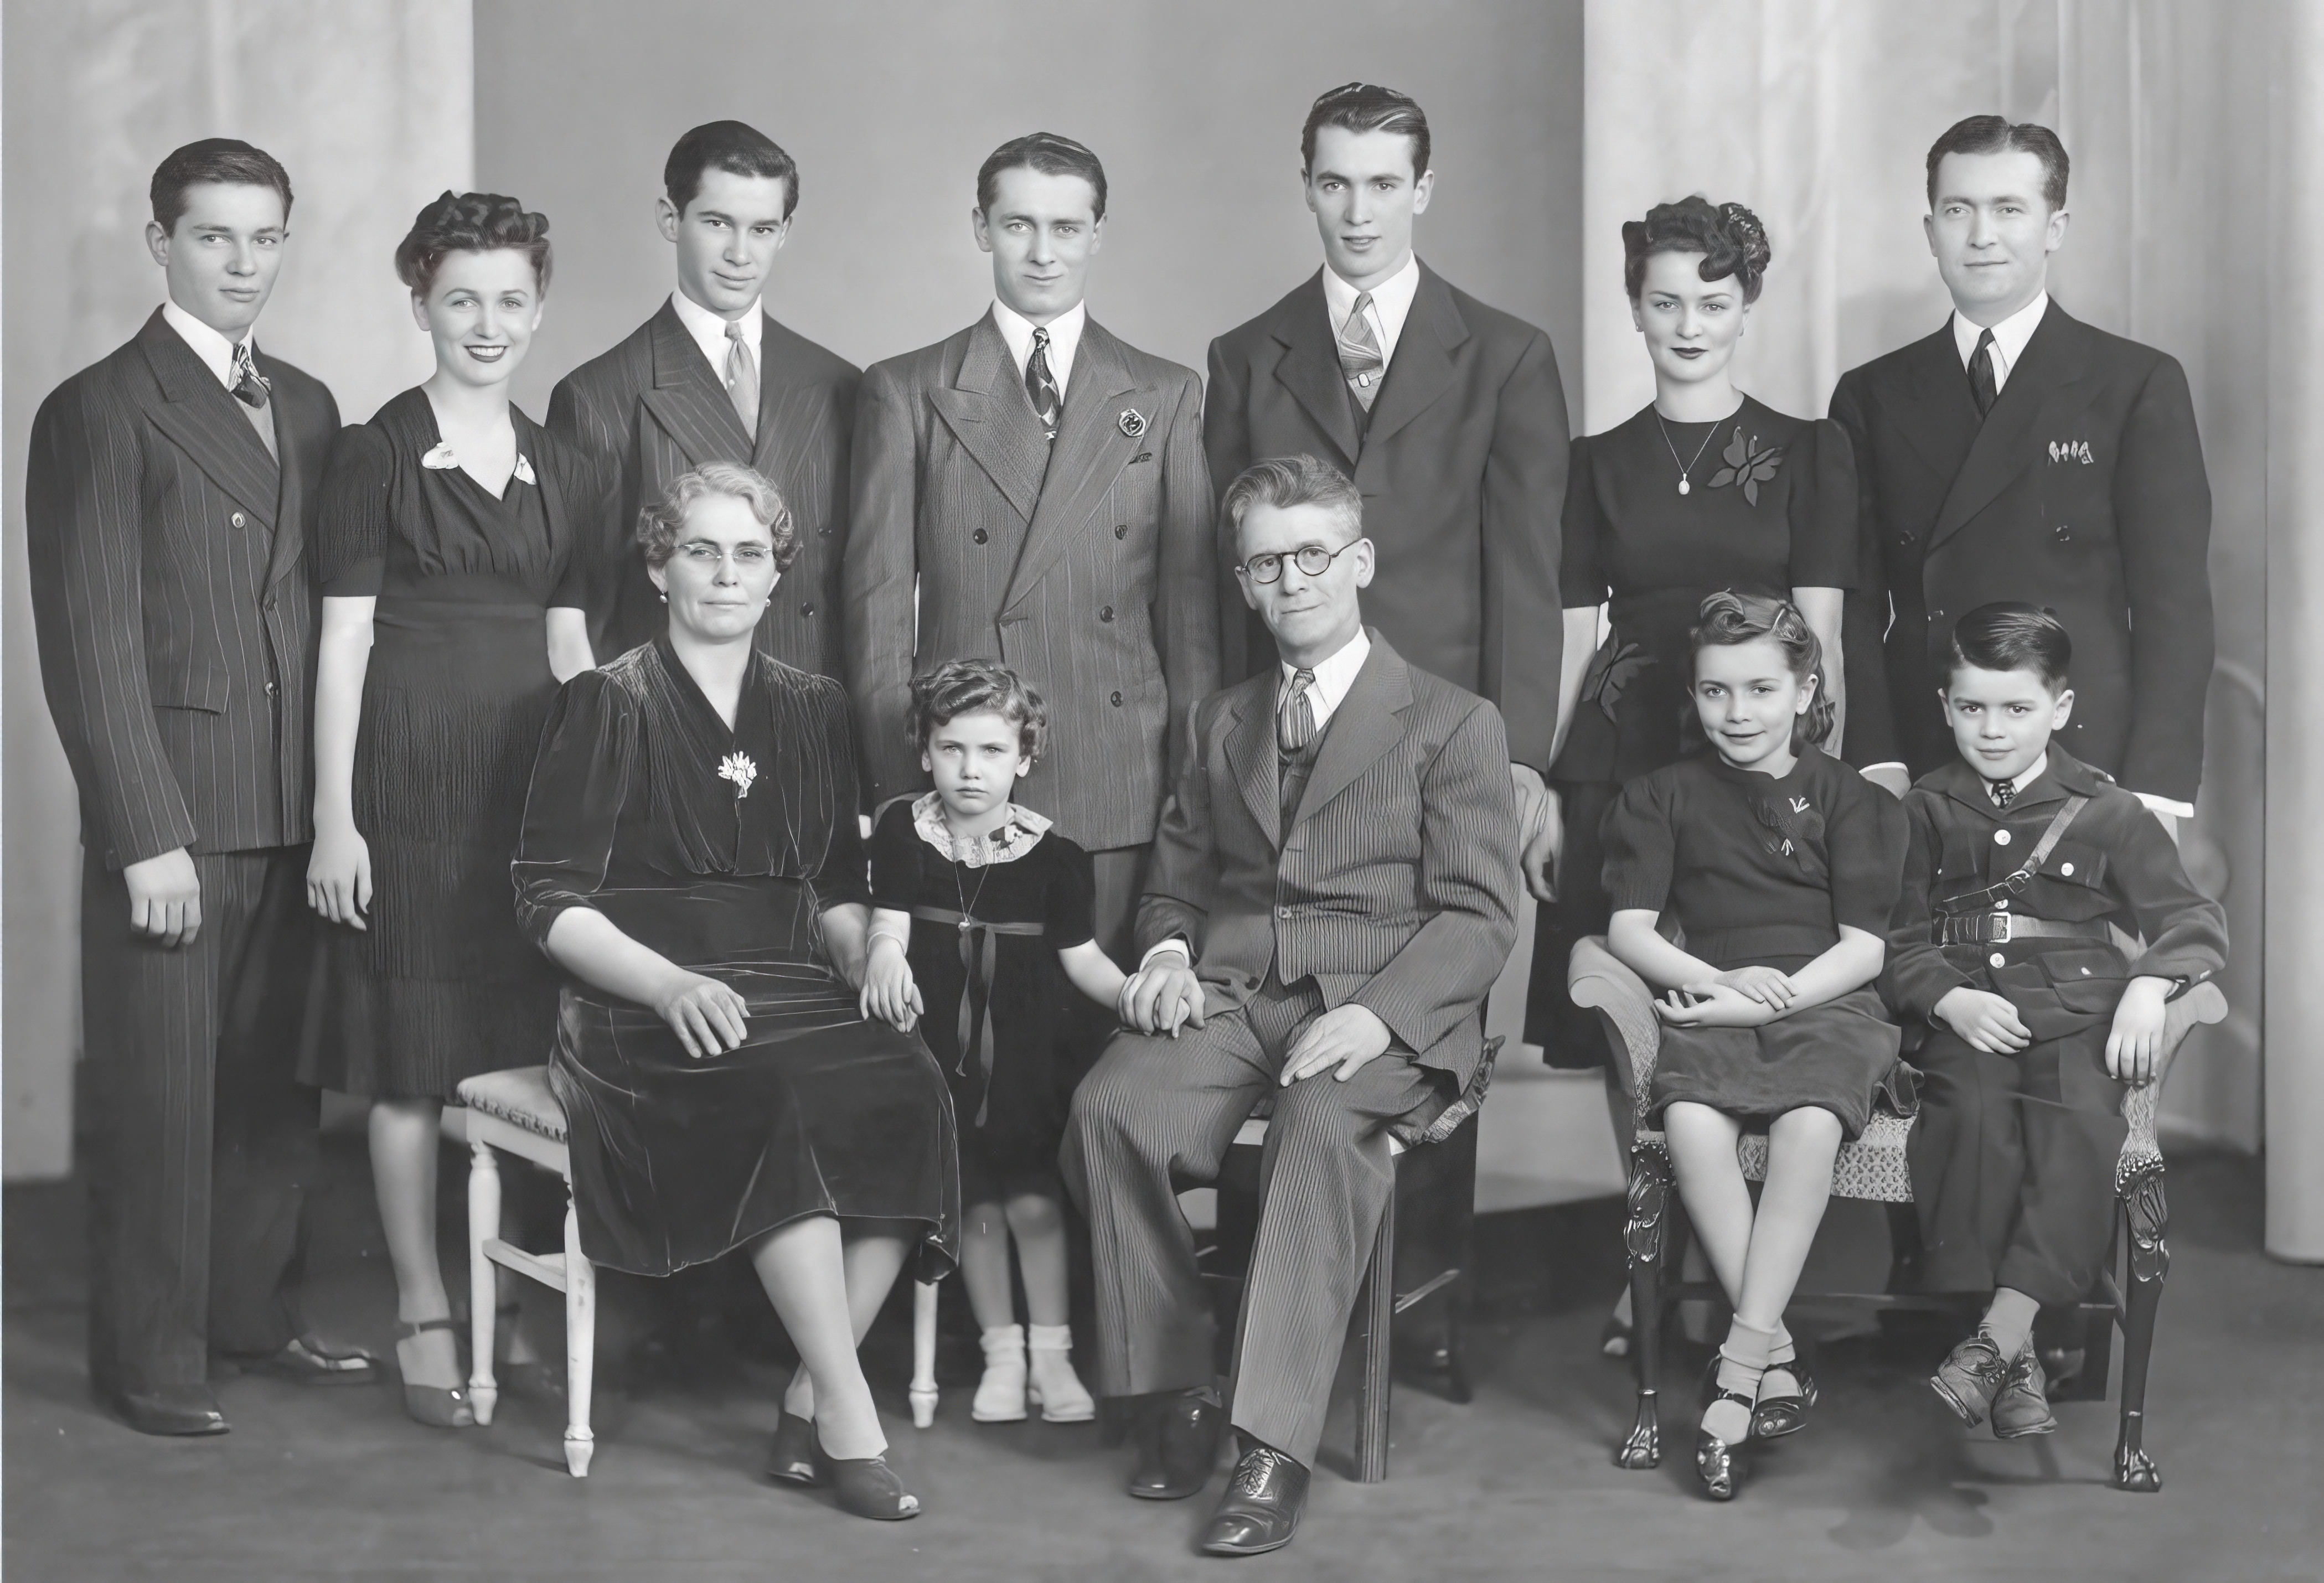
column 214, row 349
column 1391, row 304
column 709, row 332
column 1064, row 338
column 2009, row 337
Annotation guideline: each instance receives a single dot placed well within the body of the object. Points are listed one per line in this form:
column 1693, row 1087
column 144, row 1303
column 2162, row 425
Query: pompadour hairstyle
column 661, row 526
column 1366, row 107
column 1049, row 154
column 1284, row 482
column 471, row 222
column 2012, row 635
column 1996, row 134
column 1728, row 618
column 1729, row 238
column 734, row 147
column 979, row 687
column 224, row 159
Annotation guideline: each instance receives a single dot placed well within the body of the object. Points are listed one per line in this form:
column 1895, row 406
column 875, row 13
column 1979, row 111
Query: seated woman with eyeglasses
column 691, row 857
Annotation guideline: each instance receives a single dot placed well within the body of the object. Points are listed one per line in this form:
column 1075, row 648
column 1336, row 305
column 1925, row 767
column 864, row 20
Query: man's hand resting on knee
column 1162, row 995
column 1346, row 1036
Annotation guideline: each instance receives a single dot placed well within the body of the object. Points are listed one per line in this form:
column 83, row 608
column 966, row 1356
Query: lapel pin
column 440, row 459
column 1132, row 422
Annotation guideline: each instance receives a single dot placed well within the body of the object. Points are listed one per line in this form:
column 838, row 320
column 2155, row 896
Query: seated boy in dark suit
column 2024, row 865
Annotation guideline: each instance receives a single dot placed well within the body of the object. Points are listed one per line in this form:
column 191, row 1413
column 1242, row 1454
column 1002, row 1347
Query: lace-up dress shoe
column 2021, row 1406
column 308, row 1362
column 1969, row 1378
column 1261, row 1510
column 171, row 1410
column 1177, row 1446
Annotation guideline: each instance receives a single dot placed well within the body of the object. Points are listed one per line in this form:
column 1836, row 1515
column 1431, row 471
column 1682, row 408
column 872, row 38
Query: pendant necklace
column 1687, row 467
column 967, row 902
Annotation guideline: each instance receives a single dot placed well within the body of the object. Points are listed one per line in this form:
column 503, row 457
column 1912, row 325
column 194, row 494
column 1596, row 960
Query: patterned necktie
column 742, row 379
column 250, row 385
column 1360, row 353
column 2002, row 792
column 1295, row 717
column 1982, row 385
column 1049, row 401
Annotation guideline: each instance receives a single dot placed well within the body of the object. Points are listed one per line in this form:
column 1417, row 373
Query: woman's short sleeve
column 590, row 486
column 896, row 860
column 1825, row 549
column 1070, row 918
column 352, row 516
column 1865, row 842
column 580, row 781
column 1582, row 530
column 1641, row 837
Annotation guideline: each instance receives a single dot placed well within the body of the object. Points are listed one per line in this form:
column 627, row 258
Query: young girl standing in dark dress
column 1780, row 867
column 981, row 929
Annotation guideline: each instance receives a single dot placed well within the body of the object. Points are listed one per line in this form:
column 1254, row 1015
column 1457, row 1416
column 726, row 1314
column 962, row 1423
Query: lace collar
column 1018, row 834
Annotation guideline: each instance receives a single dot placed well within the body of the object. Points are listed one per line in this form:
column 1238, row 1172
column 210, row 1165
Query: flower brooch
column 738, row 768
column 1748, row 465
column 442, row 460
column 1132, row 422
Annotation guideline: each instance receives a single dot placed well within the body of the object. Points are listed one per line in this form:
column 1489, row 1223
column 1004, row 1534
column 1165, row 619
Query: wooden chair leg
column 1376, row 1304
column 483, row 1285
column 1649, row 1220
column 2148, row 1213
column 580, row 1344
column 924, row 1354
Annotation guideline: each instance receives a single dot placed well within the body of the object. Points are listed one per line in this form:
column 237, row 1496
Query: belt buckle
column 2003, row 921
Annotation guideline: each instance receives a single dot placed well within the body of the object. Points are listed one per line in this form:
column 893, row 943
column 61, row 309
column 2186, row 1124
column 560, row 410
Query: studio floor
column 337, row 1483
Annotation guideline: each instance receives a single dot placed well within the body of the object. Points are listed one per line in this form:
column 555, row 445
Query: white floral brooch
column 442, row 460
column 738, row 768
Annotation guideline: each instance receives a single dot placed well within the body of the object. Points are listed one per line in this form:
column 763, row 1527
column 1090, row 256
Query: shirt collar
column 1391, row 303
column 2009, row 336
column 1335, row 675
column 1064, row 338
column 1020, row 831
column 214, row 349
column 709, row 330
column 2034, row 771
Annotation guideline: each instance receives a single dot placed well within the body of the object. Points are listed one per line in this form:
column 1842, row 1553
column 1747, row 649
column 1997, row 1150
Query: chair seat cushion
column 519, row 1097
column 1872, row 1167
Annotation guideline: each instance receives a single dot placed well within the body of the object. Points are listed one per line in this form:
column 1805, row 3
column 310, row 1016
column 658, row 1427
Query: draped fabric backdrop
column 369, row 104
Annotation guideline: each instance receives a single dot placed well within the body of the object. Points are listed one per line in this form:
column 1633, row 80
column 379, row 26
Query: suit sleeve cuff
column 2176, row 809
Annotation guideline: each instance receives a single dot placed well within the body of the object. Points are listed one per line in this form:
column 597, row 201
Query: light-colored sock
column 2009, row 1321
column 1001, row 1395
column 1051, row 1383
column 1742, row 1360
column 1779, row 1380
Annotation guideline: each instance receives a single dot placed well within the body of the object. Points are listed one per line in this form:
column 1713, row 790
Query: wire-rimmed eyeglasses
column 1312, row 559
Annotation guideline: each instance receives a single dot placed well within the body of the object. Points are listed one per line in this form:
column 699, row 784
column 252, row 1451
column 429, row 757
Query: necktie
column 2002, row 793
column 1295, row 717
column 1360, row 353
column 252, row 387
column 1982, row 385
column 1049, row 401
column 742, row 379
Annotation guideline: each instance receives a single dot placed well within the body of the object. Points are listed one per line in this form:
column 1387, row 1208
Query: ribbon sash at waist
column 980, row 955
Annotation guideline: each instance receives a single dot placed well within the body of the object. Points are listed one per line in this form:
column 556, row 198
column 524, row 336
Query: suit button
column 2002, row 906
column 1283, row 912
column 2065, row 534
column 807, row 610
column 1117, row 700
column 980, row 536
column 1106, row 614
column 269, row 602
column 1936, row 615
column 2001, row 838
column 269, row 689
column 1904, row 541
column 823, row 533
column 1997, row 959
column 2067, row 870
column 238, row 520
column 1121, row 531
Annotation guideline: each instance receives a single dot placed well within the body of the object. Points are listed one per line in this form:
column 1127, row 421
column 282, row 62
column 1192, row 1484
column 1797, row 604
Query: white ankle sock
column 1742, row 1360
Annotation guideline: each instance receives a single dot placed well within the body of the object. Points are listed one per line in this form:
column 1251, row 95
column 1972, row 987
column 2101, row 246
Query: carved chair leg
column 580, row 1345
column 2148, row 1214
column 1649, row 1218
column 483, row 1285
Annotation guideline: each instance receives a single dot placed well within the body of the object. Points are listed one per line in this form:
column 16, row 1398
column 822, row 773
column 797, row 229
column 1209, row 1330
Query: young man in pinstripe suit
column 1333, row 891
column 169, row 495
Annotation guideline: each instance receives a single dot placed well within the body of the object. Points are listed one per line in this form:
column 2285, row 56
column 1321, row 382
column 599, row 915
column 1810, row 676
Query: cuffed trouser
column 1157, row 1115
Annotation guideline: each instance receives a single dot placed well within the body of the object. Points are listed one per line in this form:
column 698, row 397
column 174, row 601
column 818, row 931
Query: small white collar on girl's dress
column 1018, row 833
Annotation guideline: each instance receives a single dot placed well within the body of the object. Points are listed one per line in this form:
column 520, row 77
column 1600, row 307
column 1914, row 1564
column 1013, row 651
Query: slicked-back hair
column 1366, row 107
column 662, row 527
column 2011, row 635
column 226, row 160
column 1284, row 482
column 1727, row 619
column 735, row 147
column 471, row 222
column 1049, row 154
column 979, row 687
column 1996, row 134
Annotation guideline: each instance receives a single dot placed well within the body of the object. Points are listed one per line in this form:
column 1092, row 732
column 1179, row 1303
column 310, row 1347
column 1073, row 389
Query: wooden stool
column 515, row 1111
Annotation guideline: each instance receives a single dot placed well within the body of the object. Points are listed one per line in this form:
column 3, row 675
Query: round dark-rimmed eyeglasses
column 1312, row 559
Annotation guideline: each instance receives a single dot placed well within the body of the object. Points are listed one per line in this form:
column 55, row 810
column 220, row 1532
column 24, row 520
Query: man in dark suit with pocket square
column 712, row 377
column 2019, row 454
column 169, row 492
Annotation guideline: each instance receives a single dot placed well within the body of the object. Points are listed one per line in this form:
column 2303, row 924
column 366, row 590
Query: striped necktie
column 1359, row 353
column 1049, row 401
column 742, row 378
column 1295, row 717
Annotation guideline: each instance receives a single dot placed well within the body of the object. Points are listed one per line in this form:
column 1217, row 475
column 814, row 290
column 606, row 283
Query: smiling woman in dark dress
column 690, row 856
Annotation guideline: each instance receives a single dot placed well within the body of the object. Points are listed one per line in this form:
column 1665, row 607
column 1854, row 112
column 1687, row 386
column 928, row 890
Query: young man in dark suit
column 2018, row 454
column 1032, row 491
column 1448, row 414
column 169, row 492
column 712, row 377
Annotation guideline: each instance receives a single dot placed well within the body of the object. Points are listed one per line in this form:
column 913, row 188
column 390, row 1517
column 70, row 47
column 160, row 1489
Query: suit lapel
column 1091, row 451
column 1310, row 369
column 1422, row 369
column 290, row 519
column 2043, row 387
column 204, row 420
column 1362, row 730
column 688, row 399
column 1250, row 754
column 1937, row 416
column 989, row 413
column 783, row 423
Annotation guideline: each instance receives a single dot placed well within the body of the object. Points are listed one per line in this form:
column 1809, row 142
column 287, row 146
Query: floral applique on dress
column 1748, row 464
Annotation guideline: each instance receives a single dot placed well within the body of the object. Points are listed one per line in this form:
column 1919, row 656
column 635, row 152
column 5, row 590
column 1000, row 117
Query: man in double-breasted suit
column 712, row 377
column 1038, row 488
column 2018, row 454
column 1335, row 890
column 1449, row 416
column 169, row 492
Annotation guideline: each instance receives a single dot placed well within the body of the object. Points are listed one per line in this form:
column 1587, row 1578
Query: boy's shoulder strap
column 1977, row 901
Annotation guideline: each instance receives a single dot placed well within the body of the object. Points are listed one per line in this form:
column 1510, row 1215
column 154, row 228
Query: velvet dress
column 442, row 985
column 720, row 849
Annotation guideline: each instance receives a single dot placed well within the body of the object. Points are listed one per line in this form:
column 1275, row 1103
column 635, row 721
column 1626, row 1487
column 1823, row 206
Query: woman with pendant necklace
column 1704, row 489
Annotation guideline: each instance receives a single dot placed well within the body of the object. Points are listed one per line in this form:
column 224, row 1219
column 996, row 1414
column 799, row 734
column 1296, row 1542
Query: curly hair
column 471, row 222
column 1728, row 618
column 660, row 524
column 978, row 687
column 1729, row 238
column 1285, row 482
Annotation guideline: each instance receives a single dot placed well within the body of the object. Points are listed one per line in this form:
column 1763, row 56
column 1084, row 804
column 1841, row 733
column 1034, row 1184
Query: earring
column 663, row 597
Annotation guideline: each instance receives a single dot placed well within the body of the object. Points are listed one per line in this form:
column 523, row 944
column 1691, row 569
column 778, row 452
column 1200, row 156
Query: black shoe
column 1177, row 1446
column 1777, row 1416
column 173, row 1410
column 2021, row 1406
column 866, row 1486
column 1714, row 1458
column 306, row 1361
column 791, row 1458
column 1261, row 1510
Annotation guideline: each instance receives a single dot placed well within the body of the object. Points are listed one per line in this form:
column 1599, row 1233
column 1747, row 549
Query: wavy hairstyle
column 471, row 222
column 1998, row 134
column 1366, row 107
column 1047, row 153
column 660, row 524
column 1728, row 618
column 1729, row 238
column 978, row 687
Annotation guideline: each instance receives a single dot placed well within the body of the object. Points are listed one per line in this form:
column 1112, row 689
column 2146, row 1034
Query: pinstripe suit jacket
column 654, row 408
column 1396, row 884
column 1085, row 567
column 174, row 599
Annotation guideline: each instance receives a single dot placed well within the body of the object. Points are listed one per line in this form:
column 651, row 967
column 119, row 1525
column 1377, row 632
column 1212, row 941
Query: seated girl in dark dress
column 982, row 928
column 1779, row 867
column 690, row 856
